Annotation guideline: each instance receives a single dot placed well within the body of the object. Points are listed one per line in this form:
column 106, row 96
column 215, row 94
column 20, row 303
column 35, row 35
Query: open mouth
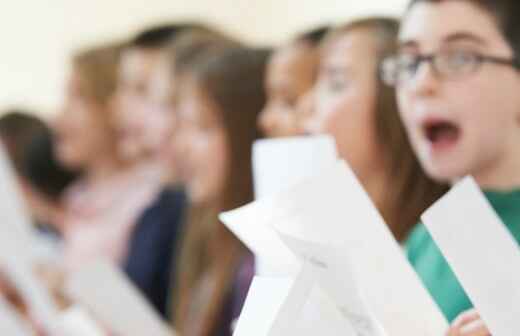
column 441, row 133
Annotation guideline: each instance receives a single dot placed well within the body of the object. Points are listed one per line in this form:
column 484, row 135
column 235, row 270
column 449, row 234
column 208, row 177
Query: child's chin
column 444, row 173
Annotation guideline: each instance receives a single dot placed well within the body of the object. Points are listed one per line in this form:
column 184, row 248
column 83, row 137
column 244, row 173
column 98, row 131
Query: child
column 457, row 80
column 291, row 73
column 104, row 203
column 352, row 104
column 143, row 127
column 215, row 132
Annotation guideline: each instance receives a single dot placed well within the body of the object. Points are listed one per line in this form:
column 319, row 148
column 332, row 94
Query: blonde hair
column 98, row 69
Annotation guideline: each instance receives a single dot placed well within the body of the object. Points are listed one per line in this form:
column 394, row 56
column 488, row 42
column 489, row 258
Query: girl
column 291, row 74
column 102, row 206
column 217, row 103
column 360, row 112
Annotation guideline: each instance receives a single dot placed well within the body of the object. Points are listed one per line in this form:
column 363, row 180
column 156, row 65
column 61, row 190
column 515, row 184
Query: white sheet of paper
column 333, row 271
column 320, row 316
column 482, row 253
column 280, row 163
column 333, row 209
column 76, row 321
column 273, row 304
column 11, row 323
column 105, row 291
column 251, row 225
column 18, row 241
column 277, row 165
column 280, row 306
column 17, row 235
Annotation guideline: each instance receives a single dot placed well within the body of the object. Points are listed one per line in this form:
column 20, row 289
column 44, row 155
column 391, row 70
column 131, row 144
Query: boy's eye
column 456, row 60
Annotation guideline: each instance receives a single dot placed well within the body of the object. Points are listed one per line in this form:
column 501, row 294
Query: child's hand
column 468, row 324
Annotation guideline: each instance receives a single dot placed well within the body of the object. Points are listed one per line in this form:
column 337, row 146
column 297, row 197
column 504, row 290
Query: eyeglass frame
column 479, row 59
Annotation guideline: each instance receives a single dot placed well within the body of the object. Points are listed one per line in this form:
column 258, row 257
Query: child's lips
column 441, row 134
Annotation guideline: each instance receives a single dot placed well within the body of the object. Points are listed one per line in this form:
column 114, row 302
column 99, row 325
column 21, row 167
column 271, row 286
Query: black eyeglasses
column 447, row 64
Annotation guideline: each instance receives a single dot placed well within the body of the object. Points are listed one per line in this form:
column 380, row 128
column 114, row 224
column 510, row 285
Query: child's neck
column 502, row 174
column 103, row 168
column 150, row 166
column 376, row 185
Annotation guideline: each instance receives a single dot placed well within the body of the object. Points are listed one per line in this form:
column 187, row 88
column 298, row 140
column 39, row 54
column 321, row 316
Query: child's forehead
column 291, row 57
column 351, row 44
column 429, row 26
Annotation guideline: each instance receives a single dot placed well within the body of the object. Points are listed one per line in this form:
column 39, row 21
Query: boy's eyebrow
column 454, row 37
column 464, row 36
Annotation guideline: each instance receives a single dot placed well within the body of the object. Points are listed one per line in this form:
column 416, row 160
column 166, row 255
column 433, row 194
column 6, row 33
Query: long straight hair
column 412, row 191
column 210, row 254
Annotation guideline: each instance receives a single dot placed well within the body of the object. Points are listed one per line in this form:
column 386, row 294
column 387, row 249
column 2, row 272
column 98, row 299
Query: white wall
column 36, row 36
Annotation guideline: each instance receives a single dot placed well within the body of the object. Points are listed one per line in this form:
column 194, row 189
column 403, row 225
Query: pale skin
column 342, row 104
column 484, row 106
column 84, row 138
column 142, row 120
column 469, row 324
column 487, row 144
column 84, row 135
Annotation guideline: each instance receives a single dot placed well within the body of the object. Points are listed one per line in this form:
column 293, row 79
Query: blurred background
column 37, row 36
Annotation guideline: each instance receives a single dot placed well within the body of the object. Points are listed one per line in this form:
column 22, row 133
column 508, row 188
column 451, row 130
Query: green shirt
column 433, row 269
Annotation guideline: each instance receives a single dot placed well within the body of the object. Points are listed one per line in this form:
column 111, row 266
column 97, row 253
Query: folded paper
column 277, row 165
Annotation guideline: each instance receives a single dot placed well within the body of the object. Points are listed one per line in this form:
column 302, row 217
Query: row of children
column 413, row 107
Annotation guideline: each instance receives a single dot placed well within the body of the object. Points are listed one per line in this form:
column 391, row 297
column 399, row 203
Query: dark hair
column 412, row 190
column 42, row 169
column 314, row 36
column 160, row 36
column 505, row 12
column 17, row 129
column 233, row 80
column 28, row 141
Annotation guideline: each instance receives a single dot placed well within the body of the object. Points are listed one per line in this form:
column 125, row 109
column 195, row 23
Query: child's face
column 344, row 99
column 202, row 144
column 82, row 128
column 290, row 75
column 141, row 117
column 466, row 124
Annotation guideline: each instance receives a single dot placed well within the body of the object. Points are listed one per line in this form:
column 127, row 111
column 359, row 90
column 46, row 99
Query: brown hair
column 98, row 68
column 412, row 190
column 192, row 46
column 196, row 43
column 161, row 36
column 210, row 255
column 505, row 13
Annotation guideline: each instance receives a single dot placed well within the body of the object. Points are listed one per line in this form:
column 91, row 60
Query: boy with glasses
column 458, row 84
